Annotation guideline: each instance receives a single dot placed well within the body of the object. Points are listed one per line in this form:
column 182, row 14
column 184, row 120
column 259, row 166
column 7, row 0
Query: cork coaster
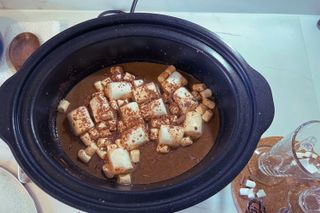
column 277, row 194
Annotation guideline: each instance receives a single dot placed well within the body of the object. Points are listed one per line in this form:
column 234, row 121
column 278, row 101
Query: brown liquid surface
column 153, row 167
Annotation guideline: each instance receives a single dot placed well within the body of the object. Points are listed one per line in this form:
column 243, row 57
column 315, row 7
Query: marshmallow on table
column 261, row 193
column 134, row 137
column 170, row 135
column 146, row 92
column 155, row 108
column 193, row 124
column 80, row 120
column 250, row 184
column 118, row 90
column 100, row 108
column 119, row 160
column 130, row 114
column 173, row 82
column 184, row 99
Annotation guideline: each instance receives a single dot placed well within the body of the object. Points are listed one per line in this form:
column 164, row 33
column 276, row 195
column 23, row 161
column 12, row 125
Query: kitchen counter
column 285, row 49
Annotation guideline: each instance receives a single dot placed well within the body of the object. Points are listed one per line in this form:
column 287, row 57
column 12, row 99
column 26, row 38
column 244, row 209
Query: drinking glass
column 296, row 155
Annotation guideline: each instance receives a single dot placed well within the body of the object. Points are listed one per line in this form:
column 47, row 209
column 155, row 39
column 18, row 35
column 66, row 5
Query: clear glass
column 309, row 200
column 297, row 155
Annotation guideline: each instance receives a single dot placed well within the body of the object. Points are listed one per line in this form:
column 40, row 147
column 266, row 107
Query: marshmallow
column 90, row 150
column 250, row 184
column 134, row 137
column 119, row 160
column 157, row 122
column 138, row 83
column 314, row 156
column 210, row 104
column 112, row 125
column 116, row 77
column 207, row 115
column 193, row 125
column 106, row 81
column 122, row 102
column 261, row 193
column 186, row 141
column 251, row 195
column 196, row 95
column 173, row 82
column 128, row 77
column 300, row 154
column 163, row 148
column 101, row 153
column 174, row 108
column 154, row 133
column 102, row 143
column 116, row 70
column 83, row 156
column 100, row 108
column 80, row 120
column 165, row 74
column 201, row 108
column 184, row 99
column 244, row 191
column 63, row 105
column 146, row 92
column 114, row 105
column 124, row 179
column 102, row 125
column 85, row 138
column 153, row 109
column 98, row 85
column 94, row 133
column 199, row 87
column 206, row 93
column 307, row 154
column 170, row 135
column 112, row 146
column 135, row 155
column 118, row 90
column 130, row 114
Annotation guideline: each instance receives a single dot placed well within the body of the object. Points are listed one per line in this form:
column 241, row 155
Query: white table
column 283, row 48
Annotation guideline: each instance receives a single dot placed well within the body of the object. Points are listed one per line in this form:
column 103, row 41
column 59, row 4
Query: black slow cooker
column 29, row 100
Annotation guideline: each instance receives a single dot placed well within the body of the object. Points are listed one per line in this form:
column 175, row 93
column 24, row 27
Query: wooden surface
column 278, row 195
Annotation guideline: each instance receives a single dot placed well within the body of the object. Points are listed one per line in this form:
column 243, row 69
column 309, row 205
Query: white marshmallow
column 101, row 153
column 193, row 125
column 100, row 108
column 98, row 85
column 314, row 156
column 244, row 191
column 80, row 120
column 118, row 90
column 170, row 135
column 86, row 139
column 153, row 109
column 107, row 171
column 124, row 179
column 154, row 133
column 173, row 82
column 128, row 77
column 134, row 137
column 300, row 154
column 106, row 81
column 119, row 160
column 186, row 141
column 135, row 155
column 261, row 193
column 138, row 83
column 83, row 156
column 184, row 99
column 146, row 92
column 307, row 154
column 250, row 184
column 251, row 195
column 130, row 114
column 63, row 105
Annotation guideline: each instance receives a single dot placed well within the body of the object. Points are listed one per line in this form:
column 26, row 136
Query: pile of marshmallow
column 250, row 190
column 135, row 112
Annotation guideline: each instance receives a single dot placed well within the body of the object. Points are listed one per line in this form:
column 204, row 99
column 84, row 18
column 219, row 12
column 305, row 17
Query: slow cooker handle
column 115, row 12
column 264, row 100
column 7, row 91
